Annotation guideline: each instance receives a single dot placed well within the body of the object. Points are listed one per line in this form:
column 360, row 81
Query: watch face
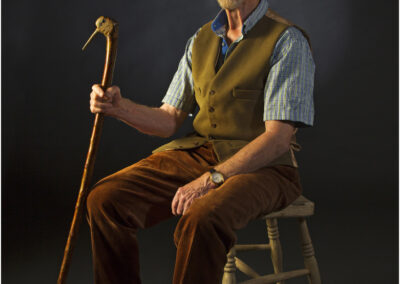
column 217, row 178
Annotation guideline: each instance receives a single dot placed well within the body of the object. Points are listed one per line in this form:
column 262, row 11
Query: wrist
column 122, row 109
column 221, row 169
column 216, row 177
column 206, row 180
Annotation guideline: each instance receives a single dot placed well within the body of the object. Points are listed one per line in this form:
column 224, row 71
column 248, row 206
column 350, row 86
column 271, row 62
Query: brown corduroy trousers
column 140, row 196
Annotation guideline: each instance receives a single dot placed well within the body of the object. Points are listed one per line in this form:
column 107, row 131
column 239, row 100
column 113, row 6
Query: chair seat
column 301, row 207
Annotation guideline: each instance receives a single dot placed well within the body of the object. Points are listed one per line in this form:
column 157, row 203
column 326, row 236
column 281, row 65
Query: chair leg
column 276, row 248
column 230, row 268
column 310, row 261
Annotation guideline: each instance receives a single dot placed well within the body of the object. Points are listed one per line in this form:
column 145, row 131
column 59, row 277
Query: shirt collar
column 220, row 22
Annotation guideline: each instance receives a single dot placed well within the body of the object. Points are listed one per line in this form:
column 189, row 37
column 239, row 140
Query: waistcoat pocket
column 198, row 91
column 243, row 94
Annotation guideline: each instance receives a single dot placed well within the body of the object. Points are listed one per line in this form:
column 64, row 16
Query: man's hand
column 108, row 102
column 160, row 121
column 186, row 194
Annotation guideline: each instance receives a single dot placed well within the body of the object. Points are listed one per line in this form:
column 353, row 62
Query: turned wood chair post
column 230, row 268
column 310, row 261
column 276, row 248
column 300, row 209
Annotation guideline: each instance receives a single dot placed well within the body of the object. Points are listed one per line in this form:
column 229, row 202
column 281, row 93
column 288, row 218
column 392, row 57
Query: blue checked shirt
column 288, row 92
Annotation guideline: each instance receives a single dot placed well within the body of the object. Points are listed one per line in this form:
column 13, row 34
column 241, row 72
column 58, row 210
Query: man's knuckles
column 96, row 98
column 93, row 109
column 97, row 89
column 113, row 89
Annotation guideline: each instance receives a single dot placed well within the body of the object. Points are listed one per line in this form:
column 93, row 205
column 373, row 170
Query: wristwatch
column 216, row 177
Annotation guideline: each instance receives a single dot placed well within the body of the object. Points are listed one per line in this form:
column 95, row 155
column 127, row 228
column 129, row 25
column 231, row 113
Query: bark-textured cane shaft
column 110, row 29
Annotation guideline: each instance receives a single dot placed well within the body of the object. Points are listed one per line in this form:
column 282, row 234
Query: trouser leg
column 205, row 234
column 136, row 197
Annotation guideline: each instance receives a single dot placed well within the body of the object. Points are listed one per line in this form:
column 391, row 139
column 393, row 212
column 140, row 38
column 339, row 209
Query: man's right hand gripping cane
column 158, row 121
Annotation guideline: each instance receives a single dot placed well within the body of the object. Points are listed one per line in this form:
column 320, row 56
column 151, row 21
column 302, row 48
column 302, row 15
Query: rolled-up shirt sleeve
column 290, row 82
column 180, row 93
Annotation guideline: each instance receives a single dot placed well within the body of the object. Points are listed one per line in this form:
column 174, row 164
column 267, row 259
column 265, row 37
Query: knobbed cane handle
column 109, row 28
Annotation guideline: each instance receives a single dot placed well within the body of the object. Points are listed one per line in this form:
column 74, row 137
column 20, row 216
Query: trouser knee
column 205, row 224
column 101, row 199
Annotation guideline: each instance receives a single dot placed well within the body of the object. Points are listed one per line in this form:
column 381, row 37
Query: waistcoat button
column 212, row 92
column 211, row 109
column 213, row 125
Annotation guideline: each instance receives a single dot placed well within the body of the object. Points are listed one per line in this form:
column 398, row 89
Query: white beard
column 230, row 4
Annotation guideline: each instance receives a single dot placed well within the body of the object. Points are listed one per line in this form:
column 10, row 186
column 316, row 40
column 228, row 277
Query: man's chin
column 230, row 4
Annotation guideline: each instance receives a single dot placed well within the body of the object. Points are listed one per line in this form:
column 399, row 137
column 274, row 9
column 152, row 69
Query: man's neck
column 236, row 18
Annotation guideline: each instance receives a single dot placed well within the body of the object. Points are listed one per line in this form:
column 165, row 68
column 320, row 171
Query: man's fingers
column 99, row 98
column 96, row 107
column 98, row 90
column 101, row 105
column 181, row 205
column 113, row 90
column 175, row 201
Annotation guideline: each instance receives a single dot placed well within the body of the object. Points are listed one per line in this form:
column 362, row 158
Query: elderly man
column 251, row 74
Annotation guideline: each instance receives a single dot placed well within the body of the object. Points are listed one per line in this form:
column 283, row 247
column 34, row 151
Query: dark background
column 348, row 162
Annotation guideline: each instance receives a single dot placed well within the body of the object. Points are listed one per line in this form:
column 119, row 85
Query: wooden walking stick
column 109, row 28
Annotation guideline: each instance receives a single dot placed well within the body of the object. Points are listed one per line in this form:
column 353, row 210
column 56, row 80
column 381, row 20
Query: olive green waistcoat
column 231, row 100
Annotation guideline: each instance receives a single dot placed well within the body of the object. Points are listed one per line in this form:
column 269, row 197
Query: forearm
column 258, row 153
column 148, row 120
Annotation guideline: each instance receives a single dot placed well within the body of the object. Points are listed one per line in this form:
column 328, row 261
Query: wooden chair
column 300, row 208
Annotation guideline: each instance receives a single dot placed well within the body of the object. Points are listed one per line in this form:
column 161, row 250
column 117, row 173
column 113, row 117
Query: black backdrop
column 348, row 162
